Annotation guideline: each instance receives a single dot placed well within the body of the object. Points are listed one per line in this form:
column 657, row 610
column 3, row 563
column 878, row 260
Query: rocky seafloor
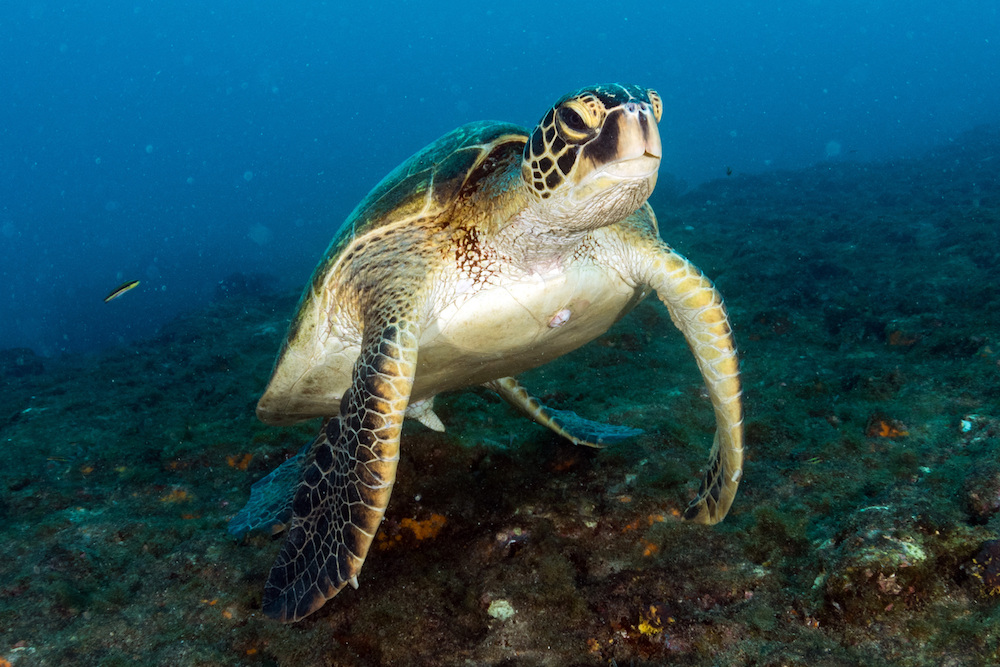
column 865, row 302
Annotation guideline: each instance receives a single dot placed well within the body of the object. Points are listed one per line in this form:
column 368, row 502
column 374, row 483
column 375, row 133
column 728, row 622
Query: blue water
column 178, row 142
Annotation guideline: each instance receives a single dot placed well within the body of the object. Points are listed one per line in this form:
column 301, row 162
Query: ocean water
column 178, row 142
column 832, row 166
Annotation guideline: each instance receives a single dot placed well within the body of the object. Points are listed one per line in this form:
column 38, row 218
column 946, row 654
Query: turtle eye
column 572, row 120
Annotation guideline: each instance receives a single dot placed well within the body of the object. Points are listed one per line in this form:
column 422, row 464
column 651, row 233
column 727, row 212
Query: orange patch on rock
column 886, row 428
column 427, row 529
column 239, row 462
column 900, row 339
column 176, row 495
column 391, row 534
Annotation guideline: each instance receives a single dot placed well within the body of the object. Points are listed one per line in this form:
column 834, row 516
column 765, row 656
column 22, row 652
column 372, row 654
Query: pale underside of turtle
column 490, row 252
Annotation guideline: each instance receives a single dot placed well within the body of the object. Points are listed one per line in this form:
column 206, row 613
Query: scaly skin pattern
column 696, row 308
column 347, row 479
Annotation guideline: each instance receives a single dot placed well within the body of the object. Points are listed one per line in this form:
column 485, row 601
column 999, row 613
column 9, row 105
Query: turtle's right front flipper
column 566, row 423
column 347, row 478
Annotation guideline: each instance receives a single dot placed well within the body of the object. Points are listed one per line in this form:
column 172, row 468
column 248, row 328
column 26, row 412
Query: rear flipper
column 270, row 505
column 566, row 423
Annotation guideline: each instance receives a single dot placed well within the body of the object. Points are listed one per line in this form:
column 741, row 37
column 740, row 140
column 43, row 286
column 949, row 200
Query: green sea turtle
column 493, row 250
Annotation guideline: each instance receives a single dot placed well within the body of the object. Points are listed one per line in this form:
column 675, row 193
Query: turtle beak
column 626, row 152
column 640, row 115
column 639, row 148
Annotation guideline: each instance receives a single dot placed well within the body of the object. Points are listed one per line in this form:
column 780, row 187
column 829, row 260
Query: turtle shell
column 427, row 183
column 422, row 188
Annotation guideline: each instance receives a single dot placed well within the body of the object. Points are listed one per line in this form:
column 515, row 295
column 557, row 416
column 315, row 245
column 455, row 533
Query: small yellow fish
column 121, row 289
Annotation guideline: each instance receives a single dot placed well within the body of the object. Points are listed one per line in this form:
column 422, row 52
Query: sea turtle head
column 593, row 158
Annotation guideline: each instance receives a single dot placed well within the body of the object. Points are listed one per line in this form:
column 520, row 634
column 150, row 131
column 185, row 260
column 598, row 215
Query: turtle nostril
column 631, row 107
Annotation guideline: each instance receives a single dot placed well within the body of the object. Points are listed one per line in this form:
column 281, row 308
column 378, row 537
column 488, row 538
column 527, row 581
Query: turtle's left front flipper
column 347, row 478
column 696, row 309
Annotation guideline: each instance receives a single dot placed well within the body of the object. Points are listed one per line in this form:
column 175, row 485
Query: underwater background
column 831, row 165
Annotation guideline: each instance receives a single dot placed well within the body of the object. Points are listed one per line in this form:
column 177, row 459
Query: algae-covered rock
column 982, row 491
column 889, row 558
column 984, row 569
